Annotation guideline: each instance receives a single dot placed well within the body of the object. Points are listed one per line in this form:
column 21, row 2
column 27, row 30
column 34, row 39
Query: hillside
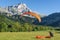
column 7, row 24
column 51, row 20
column 5, row 20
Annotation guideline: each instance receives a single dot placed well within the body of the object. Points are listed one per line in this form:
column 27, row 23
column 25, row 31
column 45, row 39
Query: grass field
column 27, row 35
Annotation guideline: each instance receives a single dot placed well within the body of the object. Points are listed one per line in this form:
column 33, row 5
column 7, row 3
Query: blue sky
column 45, row 7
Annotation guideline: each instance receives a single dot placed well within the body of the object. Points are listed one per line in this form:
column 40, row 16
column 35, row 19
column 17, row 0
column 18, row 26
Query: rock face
column 18, row 9
column 51, row 20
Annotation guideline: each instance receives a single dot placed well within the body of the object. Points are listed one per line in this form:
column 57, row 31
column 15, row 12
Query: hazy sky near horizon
column 45, row 7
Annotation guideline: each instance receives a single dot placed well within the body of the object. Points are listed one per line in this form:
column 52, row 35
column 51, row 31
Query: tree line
column 8, row 25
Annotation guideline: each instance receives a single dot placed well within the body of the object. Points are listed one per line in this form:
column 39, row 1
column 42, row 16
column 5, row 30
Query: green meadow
column 27, row 35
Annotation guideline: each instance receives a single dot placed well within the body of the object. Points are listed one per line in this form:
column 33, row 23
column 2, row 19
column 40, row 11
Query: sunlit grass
column 27, row 35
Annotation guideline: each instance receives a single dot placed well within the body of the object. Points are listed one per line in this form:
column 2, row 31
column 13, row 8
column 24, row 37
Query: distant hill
column 51, row 20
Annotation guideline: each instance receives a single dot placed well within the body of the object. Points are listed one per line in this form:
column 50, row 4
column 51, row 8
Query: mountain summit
column 23, row 8
column 18, row 9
